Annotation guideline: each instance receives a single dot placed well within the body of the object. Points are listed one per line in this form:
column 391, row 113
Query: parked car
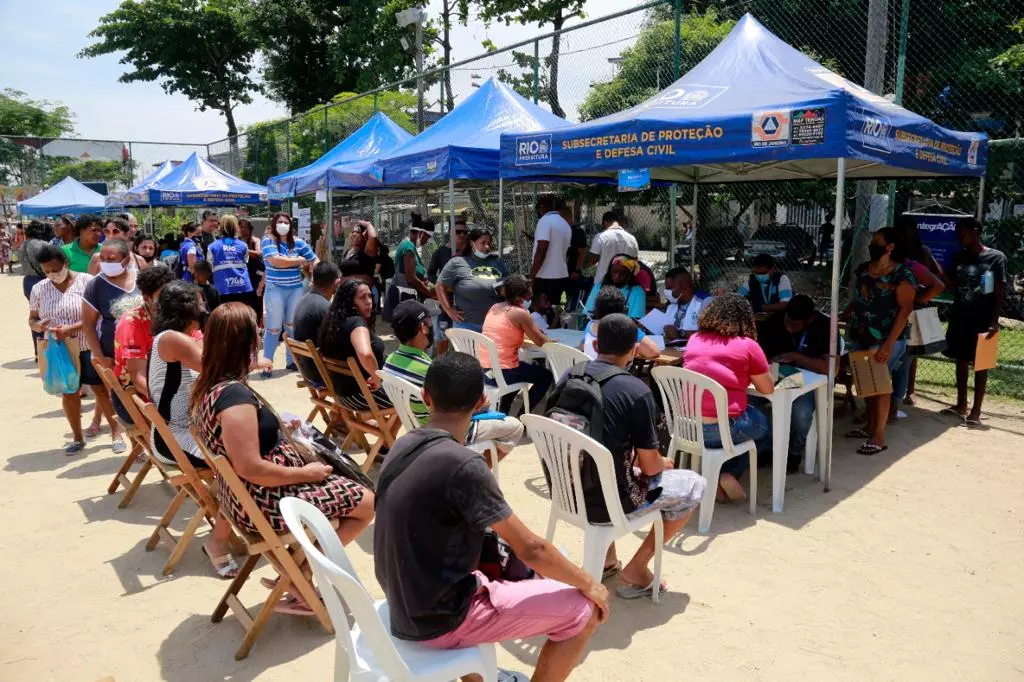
column 790, row 245
column 714, row 244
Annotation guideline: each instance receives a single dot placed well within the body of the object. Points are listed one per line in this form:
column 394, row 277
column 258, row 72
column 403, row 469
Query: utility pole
column 874, row 80
column 419, row 75
column 901, row 68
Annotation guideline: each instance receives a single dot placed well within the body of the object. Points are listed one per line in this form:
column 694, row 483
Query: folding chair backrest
column 115, row 388
column 472, row 343
column 561, row 450
column 184, row 463
column 350, row 368
column 304, row 349
column 340, row 587
column 682, row 394
column 401, row 393
column 561, row 357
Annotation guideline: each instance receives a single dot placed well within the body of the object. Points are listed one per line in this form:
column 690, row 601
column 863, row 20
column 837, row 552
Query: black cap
column 406, row 317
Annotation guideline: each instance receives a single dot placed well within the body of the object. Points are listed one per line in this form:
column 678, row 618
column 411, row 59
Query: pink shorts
column 502, row 611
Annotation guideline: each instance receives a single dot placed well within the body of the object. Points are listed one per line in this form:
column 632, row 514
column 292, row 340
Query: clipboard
column 986, row 353
column 869, row 376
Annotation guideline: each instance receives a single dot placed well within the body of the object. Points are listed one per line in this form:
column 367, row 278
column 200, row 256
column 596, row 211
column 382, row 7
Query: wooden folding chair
column 382, row 424
column 191, row 484
column 318, row 393
column 281, row 550
column 137, row 432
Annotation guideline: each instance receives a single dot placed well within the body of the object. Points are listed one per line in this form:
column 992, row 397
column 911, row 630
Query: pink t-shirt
column 730, row 361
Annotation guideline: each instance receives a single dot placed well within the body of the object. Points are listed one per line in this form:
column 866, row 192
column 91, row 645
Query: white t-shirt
column 553, row 229
column 610, row 243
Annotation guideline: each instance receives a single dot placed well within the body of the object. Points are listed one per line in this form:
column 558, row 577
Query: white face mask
column 527, row 304
column 670, row 297
column 283, row 229
column 481, row 254
column 112, row 269
column 59, row 276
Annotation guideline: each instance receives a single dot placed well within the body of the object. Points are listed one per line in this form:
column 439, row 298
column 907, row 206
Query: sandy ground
column 910, row 568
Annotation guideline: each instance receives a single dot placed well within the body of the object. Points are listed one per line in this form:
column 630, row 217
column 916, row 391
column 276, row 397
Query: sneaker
column 266, row 374
column 291, row 367
column 75, row 447
column 118, row 447
column 512, row 676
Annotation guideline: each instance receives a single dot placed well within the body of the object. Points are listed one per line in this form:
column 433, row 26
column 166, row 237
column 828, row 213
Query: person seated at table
column 767, row 288
column 346, row 333
column 646, row 480
column 508, row 324
column 609, row 302
column 622, row 274
column 796, row 338
column 436, row 500
column 725, row 349
column 414, row 330
column 543, row 313
column 684, row 304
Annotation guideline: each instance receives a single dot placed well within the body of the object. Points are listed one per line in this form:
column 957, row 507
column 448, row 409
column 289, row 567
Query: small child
column 201, row 274
column 543, row 313
column 767, row 288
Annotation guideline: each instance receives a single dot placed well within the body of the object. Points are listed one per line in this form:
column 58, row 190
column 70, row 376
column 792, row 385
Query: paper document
column 656, row 321
column 987, row 352
column 799, row 379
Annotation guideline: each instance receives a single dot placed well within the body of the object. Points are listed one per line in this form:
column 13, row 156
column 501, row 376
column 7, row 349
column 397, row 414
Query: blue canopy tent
column 755, row 109
column 353, row 156
column 67, row 196
column 139, row 194
column 197, row 182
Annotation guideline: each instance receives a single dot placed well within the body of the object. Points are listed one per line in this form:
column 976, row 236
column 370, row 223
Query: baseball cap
column 406, row 317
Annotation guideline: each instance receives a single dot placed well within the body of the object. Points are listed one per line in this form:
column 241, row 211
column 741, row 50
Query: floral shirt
column 874, row 305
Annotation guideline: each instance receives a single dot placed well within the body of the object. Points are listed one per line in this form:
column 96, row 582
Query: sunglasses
column 460, row 232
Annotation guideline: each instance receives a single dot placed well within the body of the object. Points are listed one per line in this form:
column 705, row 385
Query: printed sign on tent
column 770, row 129
column 634, row 180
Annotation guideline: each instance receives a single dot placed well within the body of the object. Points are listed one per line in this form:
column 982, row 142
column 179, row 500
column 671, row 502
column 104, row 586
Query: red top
column 133, row 340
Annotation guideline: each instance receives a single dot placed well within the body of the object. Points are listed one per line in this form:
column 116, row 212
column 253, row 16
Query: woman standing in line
column 283, row 256
column 469, row 283
column 254, row 266
column 227, row 256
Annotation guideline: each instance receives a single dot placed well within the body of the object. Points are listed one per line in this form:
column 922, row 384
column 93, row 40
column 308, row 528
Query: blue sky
column 41, row 39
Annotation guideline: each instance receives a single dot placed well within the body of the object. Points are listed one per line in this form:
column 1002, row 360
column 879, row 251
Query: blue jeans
column 901, row 378
column 280, row 303
column 539, row 376
column 478, row 328
column 751, row 424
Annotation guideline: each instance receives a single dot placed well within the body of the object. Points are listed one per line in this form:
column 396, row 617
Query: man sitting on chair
column 435, row 500
column 685, row 303
column 413, row 328
column 797, row 338
column 646, row 480
column 311, row 311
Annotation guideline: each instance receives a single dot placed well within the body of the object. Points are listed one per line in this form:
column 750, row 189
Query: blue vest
column 187, row 246
column 230, row 274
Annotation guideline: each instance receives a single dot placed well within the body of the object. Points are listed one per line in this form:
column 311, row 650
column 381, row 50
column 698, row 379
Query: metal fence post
column 536, row 70
column 901, row 67
column 325, row 130
column 678, row 46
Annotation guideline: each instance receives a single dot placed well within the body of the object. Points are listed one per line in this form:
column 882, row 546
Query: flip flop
column 857, row 433
column 610, row 571
column 225, row 566
column 871, row 449
column 972, row 423
column 293, row 606
column 953, row 412
column 92, row 431
column 627, row 591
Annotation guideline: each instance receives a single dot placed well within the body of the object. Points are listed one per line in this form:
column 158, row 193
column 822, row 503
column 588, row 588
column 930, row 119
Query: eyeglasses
column 460, row 232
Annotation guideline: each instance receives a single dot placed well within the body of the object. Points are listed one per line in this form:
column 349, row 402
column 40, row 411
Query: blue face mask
column 763, row 279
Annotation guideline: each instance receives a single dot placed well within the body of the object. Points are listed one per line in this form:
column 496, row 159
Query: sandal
column 610, row 571
column 224, row 566
column 93, row 431
column 627, row 591
column 954, row 412
column 871, row 449
column 293, row 606
column 971, row 422
column 857, row 433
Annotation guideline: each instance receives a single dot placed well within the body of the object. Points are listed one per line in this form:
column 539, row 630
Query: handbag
column 926, row 333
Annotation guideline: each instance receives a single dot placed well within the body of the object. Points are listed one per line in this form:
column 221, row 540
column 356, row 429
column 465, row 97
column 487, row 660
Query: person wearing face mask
column 438, row 260
column 469, row 284
column 227, row 256
column 882, row 302
column 767, row 289
column 283, row 255
column 88, row 230
column 98, row 316
column 684, row 304
column 409, row 271
column 622, row 274
column 116, row 228
column 145, row 248
column 190, row 252
column 415, row 332
column 55, row 306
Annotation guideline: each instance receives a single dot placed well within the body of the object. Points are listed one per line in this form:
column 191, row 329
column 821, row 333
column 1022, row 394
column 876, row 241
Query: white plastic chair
column 682, row 392
column 561, row 357
column 561, row 451
column 401, row 393
column 366, row 652
column 471, row 343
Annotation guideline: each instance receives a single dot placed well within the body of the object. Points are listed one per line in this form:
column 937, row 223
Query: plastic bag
column 61, row 376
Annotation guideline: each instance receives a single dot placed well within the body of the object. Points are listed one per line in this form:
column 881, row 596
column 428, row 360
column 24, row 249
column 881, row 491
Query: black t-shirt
column 441, row 256
column 576, row 242
column 428, row 534
column 309, row 313
column 629, row 424
column 341, row 349
column 211, row 295
column 975, row 278
column 775, row 340
column 358, row 263
column 266, row 423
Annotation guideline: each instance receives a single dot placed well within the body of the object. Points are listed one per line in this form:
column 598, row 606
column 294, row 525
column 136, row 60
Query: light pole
column 416, row 15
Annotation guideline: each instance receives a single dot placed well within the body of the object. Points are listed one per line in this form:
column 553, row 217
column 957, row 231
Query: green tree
column 317, row 48
column 202, row 49
column 114, row 172
column 22, row 116
column 543, row 13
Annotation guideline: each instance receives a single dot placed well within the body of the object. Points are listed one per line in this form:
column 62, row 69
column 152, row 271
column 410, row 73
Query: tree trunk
column 446, row 22
column 556, row 45
column 234, row 160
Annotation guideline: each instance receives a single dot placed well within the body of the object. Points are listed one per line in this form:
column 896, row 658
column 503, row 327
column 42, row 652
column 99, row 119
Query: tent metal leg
column 501, row 217
column 981, row 200
column 833, row 328
column 451, row 214
column 329, row 226
column 673, row 226
column 693, row 231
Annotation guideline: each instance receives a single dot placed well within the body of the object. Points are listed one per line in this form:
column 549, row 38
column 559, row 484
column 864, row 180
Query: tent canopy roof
column 67, row 196
column 375, row 138
column 138, row 195
column 197, row 182
column 754, row 109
